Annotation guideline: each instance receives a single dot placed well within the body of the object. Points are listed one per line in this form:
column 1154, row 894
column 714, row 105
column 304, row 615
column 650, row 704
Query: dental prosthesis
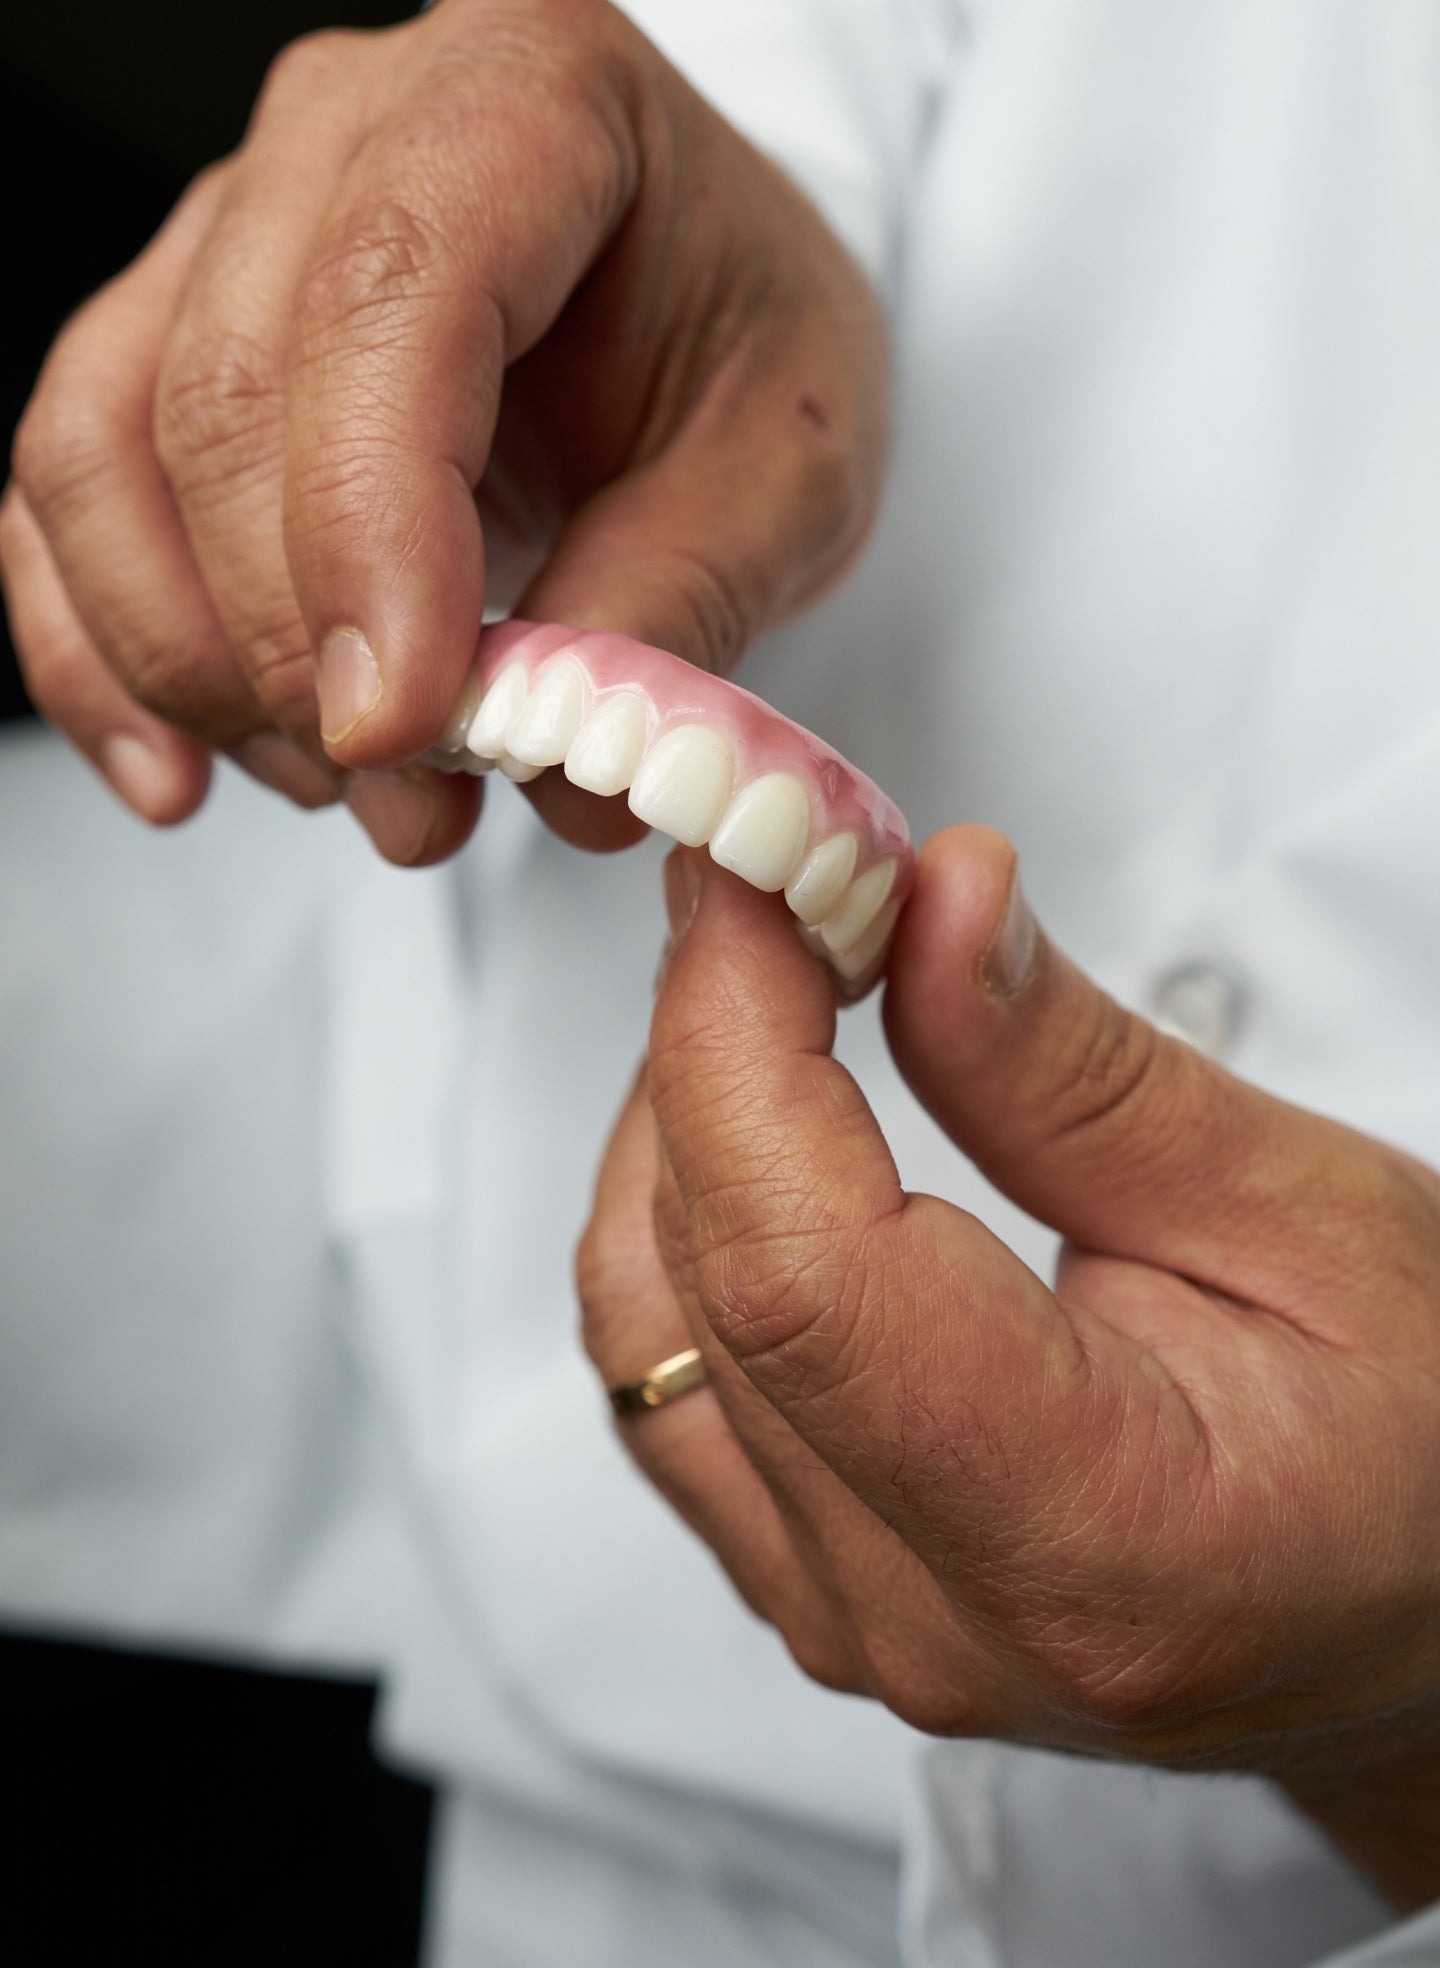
column 702, row 761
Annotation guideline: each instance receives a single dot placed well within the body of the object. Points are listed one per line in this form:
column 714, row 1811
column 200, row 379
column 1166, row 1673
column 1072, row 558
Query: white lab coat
column 295, row 1147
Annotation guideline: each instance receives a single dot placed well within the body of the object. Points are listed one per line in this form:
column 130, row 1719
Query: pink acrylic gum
column 702, row 760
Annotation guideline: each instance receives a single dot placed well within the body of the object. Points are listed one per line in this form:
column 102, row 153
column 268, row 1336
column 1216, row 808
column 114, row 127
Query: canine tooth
column 683, row 783
column 858, row 908
column 457, row 725
column 763, row 834
column 520, row 770
column 503, row 701
column 824, row 878
column 853, row 963
column 542, row 733
column 610, row 744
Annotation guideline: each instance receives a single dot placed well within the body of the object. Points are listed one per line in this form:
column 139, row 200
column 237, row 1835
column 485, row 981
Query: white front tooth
column 474, row 765
column 520, row 770
column 853, row 963
column 764, row 831
column 610, row 744
column 502, row 704
column 457, row 725
column 858, row 908
column 683, row 783
column 542, row 733
column 824, row 878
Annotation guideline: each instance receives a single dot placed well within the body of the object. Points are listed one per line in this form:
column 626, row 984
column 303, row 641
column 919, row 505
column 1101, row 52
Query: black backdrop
column 107, row 109
column 161, row 1811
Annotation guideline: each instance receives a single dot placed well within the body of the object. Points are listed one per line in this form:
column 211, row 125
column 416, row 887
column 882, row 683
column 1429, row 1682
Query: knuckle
column 186, row 686
column 384, row 258
column 306, row 68
column 607, row 1279
column 916, row 1674
column 1111, row 1063
column 63, row 441
column 217, row 410
column 821, row 1655
column 57, row 676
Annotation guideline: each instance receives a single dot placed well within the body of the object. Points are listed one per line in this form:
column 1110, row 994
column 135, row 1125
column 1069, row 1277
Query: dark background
column 107, row 109
column 164, row 1811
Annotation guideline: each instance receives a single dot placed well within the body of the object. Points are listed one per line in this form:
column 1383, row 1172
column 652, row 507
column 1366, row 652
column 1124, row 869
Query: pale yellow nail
column 349, row 683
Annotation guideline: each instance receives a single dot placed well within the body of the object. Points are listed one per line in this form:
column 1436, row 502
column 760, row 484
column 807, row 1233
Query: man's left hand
column 1181, row 1507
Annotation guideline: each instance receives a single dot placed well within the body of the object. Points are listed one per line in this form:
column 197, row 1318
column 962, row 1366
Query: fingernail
column 142, row 778
column 1010, row 958
column 682, row 890
column 396, row 810
column 349, row 683
column 281, row 765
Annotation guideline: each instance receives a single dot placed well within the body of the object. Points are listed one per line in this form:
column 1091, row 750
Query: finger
column 743, row 510
column 890, row 1616
column 415, row 817
column 448, row 254
column 896, row 1335
column 687, row 1449
column 158, row 772
column 219, row 415
column 86, row 464
column 1119, row 1137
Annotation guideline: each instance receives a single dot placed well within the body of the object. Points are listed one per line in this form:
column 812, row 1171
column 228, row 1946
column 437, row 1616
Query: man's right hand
column 490, row 304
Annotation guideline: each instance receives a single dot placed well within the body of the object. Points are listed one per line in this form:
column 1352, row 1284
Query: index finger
column 464, row 227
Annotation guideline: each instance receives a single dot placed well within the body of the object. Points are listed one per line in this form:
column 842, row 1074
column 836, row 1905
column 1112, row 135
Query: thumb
column 1120, row 1138
column 756, row 505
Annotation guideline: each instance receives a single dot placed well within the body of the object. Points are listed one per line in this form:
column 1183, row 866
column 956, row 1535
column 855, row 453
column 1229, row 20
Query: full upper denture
column 703, row 761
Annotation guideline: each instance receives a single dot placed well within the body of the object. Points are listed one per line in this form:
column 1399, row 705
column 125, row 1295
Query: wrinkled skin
column 1179, row 1508
column 488, row 306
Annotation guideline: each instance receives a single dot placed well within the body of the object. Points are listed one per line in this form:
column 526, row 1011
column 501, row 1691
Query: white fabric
column 295, row 1147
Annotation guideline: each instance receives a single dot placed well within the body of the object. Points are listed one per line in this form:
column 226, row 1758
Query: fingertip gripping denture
column 703, row 761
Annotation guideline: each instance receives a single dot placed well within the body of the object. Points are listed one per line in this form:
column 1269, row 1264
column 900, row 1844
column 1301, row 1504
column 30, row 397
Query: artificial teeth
column 457, row 725
column 822, row 881
column 489, row 734
column 764, row 831
column 852, row 964
column 860, row 905
column 610, row 744
column 683, row 784
column 520, row 770
column 542, row 733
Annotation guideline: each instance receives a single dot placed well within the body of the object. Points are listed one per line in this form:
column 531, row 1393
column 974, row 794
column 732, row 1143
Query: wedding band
column 667, row 1382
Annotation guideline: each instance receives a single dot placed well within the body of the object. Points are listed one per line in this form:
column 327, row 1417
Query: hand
column 1181, row 1507
column 491, row 302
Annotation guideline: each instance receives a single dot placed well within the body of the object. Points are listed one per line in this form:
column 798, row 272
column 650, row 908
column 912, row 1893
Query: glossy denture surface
column 703, row 761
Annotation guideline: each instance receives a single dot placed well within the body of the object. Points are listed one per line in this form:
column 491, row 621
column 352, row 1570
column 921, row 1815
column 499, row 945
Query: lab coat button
column 1200, row 1004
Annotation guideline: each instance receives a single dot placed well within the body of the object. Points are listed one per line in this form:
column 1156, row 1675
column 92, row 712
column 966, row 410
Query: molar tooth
column 824, row 878
column 457, row 725
column 542, row 733
column 502, row 704
column 683, row 783
column 853, row 963
column 763, row 834
column 610, row 744
column 520, row 770
column 858, row 907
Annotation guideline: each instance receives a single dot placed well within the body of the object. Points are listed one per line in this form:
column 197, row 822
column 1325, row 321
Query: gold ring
column 667, row 1382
